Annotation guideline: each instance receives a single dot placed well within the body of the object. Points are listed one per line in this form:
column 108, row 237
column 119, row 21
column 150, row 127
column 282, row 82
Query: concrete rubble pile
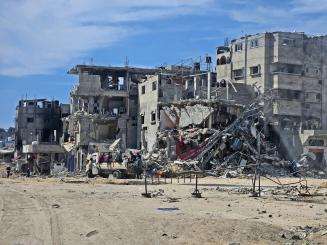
column 231, row 151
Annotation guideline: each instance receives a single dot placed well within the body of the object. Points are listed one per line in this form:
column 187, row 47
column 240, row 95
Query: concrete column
column 323, row 76
column 74, row 105
column 195, row 87
column 100, row 102
column 91, row 105
column 126, row 81
column 186, row 85
column 209, row 86
column 51, row 161
column 127, row 104
column 122, row 125
column 245, row 58
column 168, row 147
column 209, row 76
column 325, row 158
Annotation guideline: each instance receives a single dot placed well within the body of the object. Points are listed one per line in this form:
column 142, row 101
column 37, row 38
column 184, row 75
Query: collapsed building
column 6, row 133
column 104, row 108
column 186, row 124
column 289, row 67
column 7, row 144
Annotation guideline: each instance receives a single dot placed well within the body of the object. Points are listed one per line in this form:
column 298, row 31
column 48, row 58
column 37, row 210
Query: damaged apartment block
column 169, row 84
column 37, row 132
column 293, row 66
column 104, row 108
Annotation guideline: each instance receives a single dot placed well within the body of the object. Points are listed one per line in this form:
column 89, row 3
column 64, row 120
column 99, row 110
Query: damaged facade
column 104, row 107
column 170, row 84
column 265, row 103
column 38, row 120
column 291, row 64
column 38, row 126
column 186, row 124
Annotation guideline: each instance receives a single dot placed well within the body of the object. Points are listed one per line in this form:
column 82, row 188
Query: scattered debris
column 172, row 199
column 168, row 209
column 55, row 205
column 91, row 233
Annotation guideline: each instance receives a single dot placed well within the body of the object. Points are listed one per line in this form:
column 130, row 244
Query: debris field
column 102, row 211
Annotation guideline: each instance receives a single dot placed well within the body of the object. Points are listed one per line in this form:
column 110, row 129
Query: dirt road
column 50, row 211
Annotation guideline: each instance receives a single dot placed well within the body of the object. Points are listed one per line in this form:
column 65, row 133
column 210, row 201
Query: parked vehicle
column 94, row 167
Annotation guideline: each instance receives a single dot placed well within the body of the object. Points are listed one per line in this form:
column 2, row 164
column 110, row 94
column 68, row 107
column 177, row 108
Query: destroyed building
column 293, row 65
column 6, row 133
column 169, row 84
column 104, row 108
column 38, row 120
column 7, row 137
column 38, row 126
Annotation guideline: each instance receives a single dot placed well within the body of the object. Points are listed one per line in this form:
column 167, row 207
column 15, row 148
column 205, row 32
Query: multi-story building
column 292, row 64
column 170, row 84
column 38, row 120
column 104, row 108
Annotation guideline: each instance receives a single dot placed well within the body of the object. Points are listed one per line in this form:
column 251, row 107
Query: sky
column 40, row 40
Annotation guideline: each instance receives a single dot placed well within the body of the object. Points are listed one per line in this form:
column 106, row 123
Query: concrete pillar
column 209, row 86
column 168, row 147
column 122, row 125
column 100, row 102
column 74, row 105
column 209, row 97
column 127, row 104
column 195, row 87
column 80, row 159
column 51, row 161
column 80, row 104
column 91, row 105
column 126, row 81
column 325, row 158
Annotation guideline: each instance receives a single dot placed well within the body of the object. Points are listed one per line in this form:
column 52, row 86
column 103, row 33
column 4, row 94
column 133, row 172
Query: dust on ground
column 103, row 211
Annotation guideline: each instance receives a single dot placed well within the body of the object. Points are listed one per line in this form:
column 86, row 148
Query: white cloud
column 300, row 15
column 310, row 6
column 41, row 35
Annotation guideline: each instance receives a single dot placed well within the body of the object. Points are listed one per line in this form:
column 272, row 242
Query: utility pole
column 126, row 61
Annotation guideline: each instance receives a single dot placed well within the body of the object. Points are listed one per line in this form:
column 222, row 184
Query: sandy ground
column 101, row 211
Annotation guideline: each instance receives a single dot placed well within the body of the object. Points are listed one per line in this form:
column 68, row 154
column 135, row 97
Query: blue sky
column 41, row 39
